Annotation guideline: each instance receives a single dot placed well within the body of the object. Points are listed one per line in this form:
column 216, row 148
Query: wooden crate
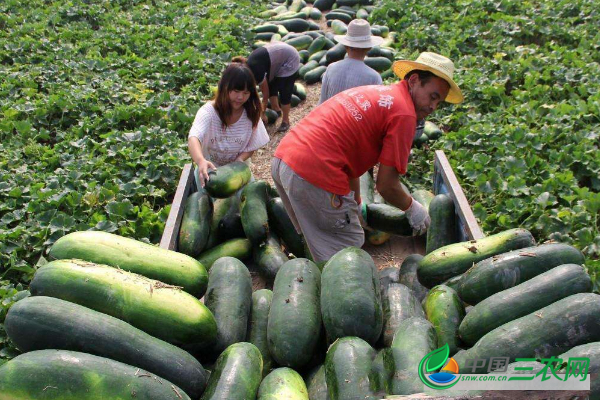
column 390, row 253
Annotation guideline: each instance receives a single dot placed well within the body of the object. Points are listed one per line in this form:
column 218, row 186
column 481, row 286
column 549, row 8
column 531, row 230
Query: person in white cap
column 352, row 71
column 317, row 165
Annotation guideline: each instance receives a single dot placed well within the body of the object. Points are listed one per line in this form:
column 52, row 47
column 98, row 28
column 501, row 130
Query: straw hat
column 359, row 35
column 438, row 65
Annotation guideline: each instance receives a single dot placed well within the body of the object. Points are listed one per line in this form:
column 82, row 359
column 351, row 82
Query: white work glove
column 418, row 217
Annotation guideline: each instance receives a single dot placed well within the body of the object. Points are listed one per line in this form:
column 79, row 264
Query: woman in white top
column 229, row 128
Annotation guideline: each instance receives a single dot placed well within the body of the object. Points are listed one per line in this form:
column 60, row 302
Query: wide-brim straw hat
column 359, row 35
column 438, row 65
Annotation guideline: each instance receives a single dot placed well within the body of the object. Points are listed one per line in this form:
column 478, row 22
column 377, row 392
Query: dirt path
column 261, row 160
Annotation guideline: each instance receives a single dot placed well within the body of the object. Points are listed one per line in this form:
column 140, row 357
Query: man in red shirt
column 318, row 164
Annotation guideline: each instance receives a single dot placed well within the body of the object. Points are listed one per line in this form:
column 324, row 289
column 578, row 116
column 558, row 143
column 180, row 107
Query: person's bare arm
column 355, row 187
column 391, row 190
column 389, row 187
column 195, row 149
column 264, row 88
column 244, row 156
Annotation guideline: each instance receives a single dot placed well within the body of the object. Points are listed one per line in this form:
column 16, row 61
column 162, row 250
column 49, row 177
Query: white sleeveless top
column 222, row 145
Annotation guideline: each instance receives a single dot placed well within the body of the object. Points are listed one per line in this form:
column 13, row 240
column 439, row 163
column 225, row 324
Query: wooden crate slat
column 186, row 181
column 444, row 170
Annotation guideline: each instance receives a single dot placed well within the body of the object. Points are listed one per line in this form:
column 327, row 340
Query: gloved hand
column 418, row 217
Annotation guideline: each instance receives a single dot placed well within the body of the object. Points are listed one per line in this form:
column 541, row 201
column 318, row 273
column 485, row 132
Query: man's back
column 349, row 134
column 347, row 74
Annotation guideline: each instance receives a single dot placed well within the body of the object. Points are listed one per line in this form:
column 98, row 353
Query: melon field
column 97, row 99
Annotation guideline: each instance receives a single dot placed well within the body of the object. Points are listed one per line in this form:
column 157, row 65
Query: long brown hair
column 237, row 76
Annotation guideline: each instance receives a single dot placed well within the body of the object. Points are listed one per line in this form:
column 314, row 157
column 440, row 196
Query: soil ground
column 261, row 160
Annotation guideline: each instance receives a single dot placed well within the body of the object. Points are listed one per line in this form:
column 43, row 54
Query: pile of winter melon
column 111, row 317
column 297, row 24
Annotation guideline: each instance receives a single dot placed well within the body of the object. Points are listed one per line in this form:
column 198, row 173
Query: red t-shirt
column 348, row 134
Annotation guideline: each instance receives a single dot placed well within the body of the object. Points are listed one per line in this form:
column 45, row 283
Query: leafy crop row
column 525, row 142
column 96, row 99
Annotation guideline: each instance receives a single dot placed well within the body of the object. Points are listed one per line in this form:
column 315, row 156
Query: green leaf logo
column 437, row 358
column 431, row 363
